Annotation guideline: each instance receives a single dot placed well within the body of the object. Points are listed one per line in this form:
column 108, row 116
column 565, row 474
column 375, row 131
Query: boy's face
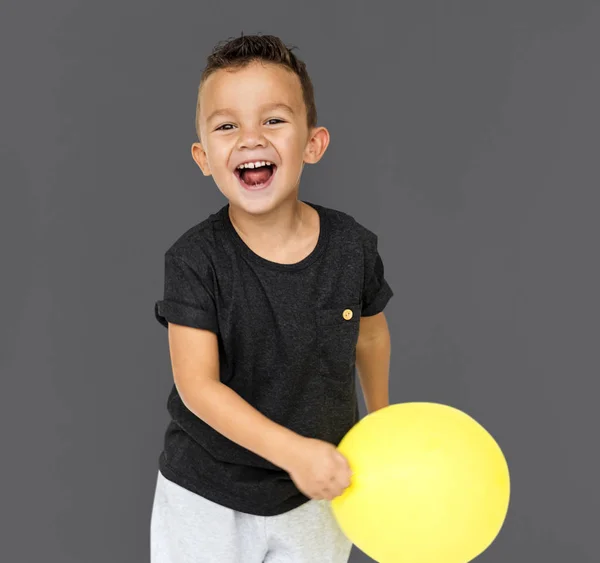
column 240, row 121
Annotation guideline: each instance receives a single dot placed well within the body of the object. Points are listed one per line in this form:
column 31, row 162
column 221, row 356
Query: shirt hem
column 204, row 490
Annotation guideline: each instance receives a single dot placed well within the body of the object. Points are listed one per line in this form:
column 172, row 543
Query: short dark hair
column 240, row 51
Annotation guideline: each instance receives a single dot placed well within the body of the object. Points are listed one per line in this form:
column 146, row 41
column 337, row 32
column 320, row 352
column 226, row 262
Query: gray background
column 465, row 133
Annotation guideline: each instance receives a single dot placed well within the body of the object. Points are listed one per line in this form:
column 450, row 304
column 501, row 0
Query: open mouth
column 256, row 178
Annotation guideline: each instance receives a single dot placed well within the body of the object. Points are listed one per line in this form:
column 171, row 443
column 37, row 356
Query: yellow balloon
column 429, row 485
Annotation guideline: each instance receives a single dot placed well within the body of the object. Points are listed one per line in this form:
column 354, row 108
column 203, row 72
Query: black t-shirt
column 287, row 338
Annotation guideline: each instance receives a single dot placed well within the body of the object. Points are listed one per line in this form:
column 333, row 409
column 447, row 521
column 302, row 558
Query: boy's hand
column 319, row 470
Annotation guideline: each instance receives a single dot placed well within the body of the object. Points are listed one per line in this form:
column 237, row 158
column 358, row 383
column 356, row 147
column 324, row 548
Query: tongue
column 256, row 175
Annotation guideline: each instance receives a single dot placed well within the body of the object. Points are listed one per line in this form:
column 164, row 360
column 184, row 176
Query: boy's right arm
column 316, row 467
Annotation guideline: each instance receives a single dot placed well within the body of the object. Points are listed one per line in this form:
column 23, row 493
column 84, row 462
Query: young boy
column 270, row 303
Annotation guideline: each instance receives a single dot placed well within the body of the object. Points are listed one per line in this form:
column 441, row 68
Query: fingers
column 344, row 475
column 336, row 487
column 329, row 476
column 329, row 492
column 344, row 463
column 332, row 493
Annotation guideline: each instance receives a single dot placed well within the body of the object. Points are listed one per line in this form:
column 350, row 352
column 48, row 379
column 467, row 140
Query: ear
column 317, row 145
column 199, row 156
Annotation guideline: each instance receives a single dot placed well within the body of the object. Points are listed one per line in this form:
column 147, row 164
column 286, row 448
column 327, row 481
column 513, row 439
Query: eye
column 276, row 119
column 221, row 127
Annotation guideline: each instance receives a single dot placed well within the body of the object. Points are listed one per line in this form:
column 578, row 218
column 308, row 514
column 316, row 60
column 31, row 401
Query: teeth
column 256, row 164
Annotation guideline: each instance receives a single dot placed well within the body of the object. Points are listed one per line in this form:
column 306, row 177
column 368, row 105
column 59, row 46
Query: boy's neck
column 281, row 233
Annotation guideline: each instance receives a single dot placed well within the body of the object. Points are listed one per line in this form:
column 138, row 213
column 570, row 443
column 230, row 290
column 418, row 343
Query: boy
column 269, row 303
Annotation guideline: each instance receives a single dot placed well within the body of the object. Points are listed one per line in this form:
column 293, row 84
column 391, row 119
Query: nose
column 250, row 138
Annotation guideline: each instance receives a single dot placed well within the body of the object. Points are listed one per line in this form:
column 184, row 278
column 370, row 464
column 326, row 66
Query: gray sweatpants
column 187, row 528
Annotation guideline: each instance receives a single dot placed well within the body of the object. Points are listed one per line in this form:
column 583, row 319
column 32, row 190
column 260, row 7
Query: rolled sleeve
column 188, row 299
column 377, row 292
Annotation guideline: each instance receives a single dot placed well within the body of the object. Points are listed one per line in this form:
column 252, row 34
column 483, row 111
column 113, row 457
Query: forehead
column 247, row 89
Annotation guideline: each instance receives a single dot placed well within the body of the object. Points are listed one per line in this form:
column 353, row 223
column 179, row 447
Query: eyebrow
column 229, row 111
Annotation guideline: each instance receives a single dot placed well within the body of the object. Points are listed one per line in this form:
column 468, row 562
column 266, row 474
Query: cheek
column 217, row 159
column 292, row 145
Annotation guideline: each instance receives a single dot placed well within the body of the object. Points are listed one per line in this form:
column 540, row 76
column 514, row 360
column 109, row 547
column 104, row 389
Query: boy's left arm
column 373, row 361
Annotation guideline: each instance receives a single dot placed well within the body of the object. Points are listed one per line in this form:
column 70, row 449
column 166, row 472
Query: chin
column 259, row 202
column 255, row 207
